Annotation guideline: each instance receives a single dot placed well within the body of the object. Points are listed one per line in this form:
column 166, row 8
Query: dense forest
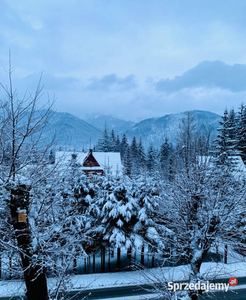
column 191, row 141
column 180, row 201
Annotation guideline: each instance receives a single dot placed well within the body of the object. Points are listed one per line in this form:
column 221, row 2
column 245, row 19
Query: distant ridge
column 74, row 133
column 118, row 125
column 71, row 132
column 155, row 130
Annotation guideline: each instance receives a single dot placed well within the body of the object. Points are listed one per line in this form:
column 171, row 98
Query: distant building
column 238, row 167
column 92, row 162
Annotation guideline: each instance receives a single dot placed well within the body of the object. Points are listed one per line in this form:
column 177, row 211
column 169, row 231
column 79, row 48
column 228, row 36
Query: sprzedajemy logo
column 204, row 286
column 233, row 281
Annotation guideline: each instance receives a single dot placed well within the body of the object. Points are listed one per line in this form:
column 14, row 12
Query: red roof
column 90, row 161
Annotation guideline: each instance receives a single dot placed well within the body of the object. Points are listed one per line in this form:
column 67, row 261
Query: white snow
column 88, row 281
column 107, row 160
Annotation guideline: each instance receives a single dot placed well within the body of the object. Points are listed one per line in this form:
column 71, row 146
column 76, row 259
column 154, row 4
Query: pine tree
column 117, row 144
column 141, row 156
column 134, row 148
column 52, row 157
column 151, row 159
column 164, row 157
column 104, row 142
column 123, row 146
column 146, row 191
column 112, row 141
column 118, row 213
column 225, row 144
column 127, row 162
column 187, row 140
column 241, row 132
column 232, row 128
column 134, row 156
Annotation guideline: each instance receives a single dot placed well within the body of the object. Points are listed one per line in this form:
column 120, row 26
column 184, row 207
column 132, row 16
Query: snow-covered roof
column 239, row 168
column 107, row 160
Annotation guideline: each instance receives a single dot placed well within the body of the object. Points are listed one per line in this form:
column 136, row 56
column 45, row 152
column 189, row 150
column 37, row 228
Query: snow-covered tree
column 22, row 122
column 134, row 157
column 117, row 215
column 147, row 193
column 112, row 141
column 225, row 146
column 186, row 141
column 104, row 141
column 117, row 144
column 151, row 159
column 123, row 146
column 141, row 156
column 241, row 132
column 202, row 202
column 127, row 162
column 164, row 158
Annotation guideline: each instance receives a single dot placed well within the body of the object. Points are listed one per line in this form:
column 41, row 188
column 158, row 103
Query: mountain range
column 118, row 125
column 74, row 133
column 155, row 130
column 71, row 132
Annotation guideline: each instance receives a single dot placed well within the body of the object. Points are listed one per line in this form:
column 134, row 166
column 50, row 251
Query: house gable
column 90, row 161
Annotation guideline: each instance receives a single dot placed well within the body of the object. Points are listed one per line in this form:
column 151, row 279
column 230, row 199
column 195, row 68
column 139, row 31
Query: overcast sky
column 133, row 59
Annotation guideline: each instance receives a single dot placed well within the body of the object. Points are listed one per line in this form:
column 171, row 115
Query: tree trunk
column 142, row 256
column 153, row 260
column 85, row 265
column 94, row 263
column 88, row 264
column 226, row 254
column 108, row 259
column 74, row 265
column 103, row 259
column 10, row 267
column 34, row 274
column 129, row 256
column 194, row 276
column 118, row 258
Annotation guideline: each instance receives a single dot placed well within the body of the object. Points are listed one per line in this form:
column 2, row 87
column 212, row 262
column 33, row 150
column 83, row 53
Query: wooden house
column 92, row 162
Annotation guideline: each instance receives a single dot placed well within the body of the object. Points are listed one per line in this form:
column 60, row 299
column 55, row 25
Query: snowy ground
column 236, row 267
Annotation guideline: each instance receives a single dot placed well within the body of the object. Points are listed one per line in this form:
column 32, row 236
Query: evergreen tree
column 141, row 156
column 225, row 144
column 127, row 162
column 186, row 146
column 151, row 159
column 118, row 213
column 104, row 142
column 134, row 148
column 232, row 128
column 134, row 157
column 112, row 141
column 146, row 191
column 241, row 132
column 52, row 157
column 164, row 157
column 123, row 146
column 117, row 144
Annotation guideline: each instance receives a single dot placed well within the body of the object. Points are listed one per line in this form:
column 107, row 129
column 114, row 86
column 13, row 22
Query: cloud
column 51, row 82
column 111, row 81
column 209, row 75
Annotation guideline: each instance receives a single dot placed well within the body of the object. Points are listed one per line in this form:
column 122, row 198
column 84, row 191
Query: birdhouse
column 21, row 215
